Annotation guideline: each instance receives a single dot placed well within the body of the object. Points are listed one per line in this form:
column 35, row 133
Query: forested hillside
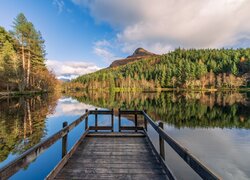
column 202, row 68
column 22, row 58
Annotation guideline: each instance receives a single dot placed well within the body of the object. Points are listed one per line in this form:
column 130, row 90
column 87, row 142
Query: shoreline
column 18, row 93
column 165, row 89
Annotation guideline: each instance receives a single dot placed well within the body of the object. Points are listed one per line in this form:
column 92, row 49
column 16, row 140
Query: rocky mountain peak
column 141, row 52
column 138, row 54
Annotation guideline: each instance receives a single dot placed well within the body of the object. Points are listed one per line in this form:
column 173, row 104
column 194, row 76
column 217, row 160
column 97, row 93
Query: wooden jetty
column 101, row 153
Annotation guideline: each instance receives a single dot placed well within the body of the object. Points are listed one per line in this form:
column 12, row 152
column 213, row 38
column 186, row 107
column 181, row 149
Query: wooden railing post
column 119, row 120
column 86, row 120
column 136, row 123
column 64, row 141
column 145, row 121
column 161, row 142
column 31, row 154
column 96, row 124
column 112, row 120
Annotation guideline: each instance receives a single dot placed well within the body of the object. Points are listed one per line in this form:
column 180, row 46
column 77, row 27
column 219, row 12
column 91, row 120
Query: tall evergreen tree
column 22, row 57
column 21, row 34
column 234, row 69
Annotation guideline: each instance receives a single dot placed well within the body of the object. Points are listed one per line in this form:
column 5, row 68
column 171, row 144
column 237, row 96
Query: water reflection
column 22, row 122
column 215, row 127
column 224, row 110
column 225, row 151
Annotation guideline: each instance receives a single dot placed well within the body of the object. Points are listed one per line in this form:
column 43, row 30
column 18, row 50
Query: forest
column 181, row 68
column 22, row 59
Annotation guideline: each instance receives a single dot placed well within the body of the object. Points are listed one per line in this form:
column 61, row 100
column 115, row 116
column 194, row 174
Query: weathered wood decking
column 118, row 156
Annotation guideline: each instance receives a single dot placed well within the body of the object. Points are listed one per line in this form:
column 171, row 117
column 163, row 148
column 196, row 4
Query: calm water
column 214, row 127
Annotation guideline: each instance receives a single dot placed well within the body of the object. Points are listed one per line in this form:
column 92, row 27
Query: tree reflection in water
column 22, row 122
column 180, row 109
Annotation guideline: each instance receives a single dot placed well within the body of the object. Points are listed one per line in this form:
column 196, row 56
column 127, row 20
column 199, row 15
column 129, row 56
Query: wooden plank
column 65, row 159
column 84, row 156
column 112, row 146
column 118, row 140
column 131, row 128
column 143, row 165
column 121, row 153
column 114, row 159
column 114, row 134
column 31, row 154
column 118, row 145
column 203, row 171
column 136, row 150
column 118, row 176
column 100, row 128
column 80, row 171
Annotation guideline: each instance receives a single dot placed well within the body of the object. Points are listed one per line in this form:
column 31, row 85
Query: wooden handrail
column 203, row 171
column 100, row 112
column 32, row 153
column 130, row 112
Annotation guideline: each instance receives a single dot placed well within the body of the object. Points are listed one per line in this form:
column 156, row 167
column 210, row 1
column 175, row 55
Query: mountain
column 139, row 54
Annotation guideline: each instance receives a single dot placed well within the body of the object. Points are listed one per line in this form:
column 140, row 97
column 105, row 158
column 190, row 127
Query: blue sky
column 85, row 35
column 71, row 34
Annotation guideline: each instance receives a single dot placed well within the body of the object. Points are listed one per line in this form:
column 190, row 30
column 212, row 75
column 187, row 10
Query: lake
column 215, row 127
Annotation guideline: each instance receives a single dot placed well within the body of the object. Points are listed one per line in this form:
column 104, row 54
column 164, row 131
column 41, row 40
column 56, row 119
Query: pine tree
column 234, row 69
column 32, row 50
column 20, row 33
column 8, row 58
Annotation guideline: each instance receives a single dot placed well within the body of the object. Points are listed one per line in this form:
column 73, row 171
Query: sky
column 82, row 36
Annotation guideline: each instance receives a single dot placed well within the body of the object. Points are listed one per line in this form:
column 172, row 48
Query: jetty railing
column 203, row 171
column 28, row 156
column 31, row 154
column 102, row 112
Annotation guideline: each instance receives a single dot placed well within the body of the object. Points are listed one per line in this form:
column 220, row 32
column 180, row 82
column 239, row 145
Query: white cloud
column 70, row 107
column 160, row 25
column 105, row 54
column 102, row 49
column 71, row 69
column 59, row 5
column 102, row 43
